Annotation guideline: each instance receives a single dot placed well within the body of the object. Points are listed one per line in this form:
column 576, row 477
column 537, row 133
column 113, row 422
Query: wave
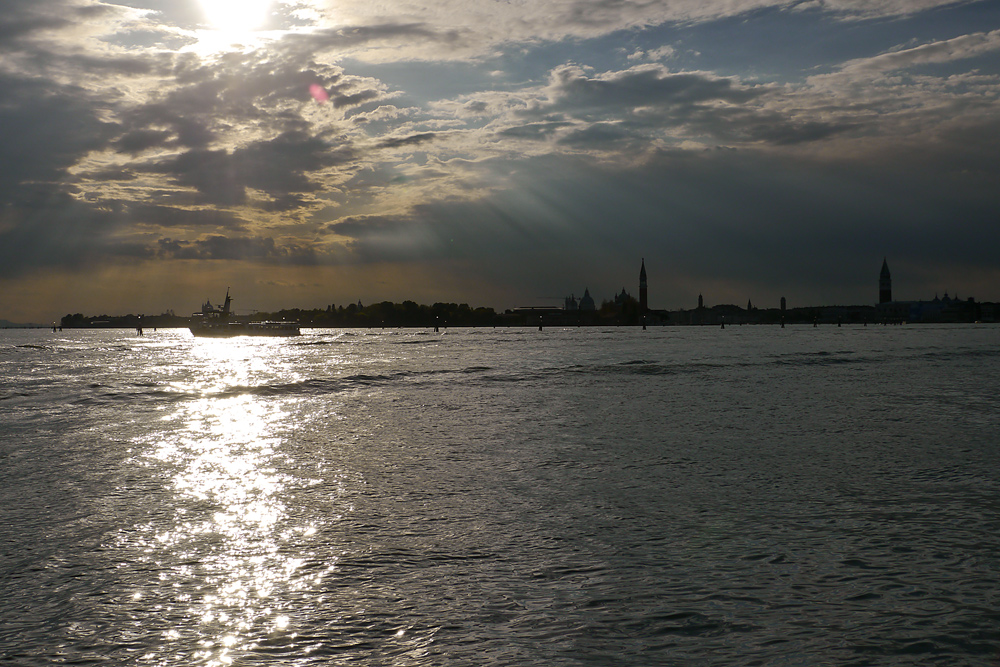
column 311, row 386
column 822, row 358
column 7, row 396
column 342, row 341
column 97, row 393
column 105, row 389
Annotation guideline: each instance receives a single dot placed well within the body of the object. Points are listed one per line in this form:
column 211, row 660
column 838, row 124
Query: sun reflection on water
column 231, row 553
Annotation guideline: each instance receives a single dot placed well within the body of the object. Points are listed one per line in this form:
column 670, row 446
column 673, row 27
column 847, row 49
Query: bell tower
column 884, row 283
column 643, row 304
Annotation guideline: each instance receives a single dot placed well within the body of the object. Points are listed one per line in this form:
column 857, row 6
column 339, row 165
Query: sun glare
column 236, row 16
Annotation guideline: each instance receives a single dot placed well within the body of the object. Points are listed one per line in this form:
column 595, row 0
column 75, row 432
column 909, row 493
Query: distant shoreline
column 621, row 313
column 443, row 327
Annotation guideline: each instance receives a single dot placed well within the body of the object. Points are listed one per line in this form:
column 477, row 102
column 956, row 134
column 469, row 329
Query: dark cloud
column 22, row 21
column 216, row 175
column 542, row 130
column 596, row 98
column 279, row 167
column 45, row 38
column 250, row 90
column 785, row 132
column 46, row 128
column 49, row 127
column 368, row 227
column 47, row 228
column 354, row 99
column 206, row 100
column 235, row 248
column 388, row 33
column 111, row 174
column 142, row 140
column 597, row 134
column 50, row 229
column 168, row 217
column 412, row 140
column 778, row 226
column 159, row 126
column 616, row 109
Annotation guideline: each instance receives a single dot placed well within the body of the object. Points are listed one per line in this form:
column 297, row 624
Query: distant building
column 587, row 301
column 947, row 309
column 571, row 303
column 623, row 298
column 885, row 284
column 643, row 302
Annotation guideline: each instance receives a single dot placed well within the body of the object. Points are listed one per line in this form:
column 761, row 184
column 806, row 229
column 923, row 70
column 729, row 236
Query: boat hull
column 231, row 330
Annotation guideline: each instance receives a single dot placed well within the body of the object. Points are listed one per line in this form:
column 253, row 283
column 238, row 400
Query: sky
column 500, row 153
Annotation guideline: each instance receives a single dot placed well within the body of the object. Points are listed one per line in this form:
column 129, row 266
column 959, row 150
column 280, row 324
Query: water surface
column 676, row 496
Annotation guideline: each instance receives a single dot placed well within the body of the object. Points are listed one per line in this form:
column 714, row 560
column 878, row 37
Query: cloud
column 945, row 51
column 893, row 97
column 436, row 29
column 536, row 131
column 866, row 9
column 649, row 106
column 217, row 247
column 140, row 141
column 171, row 217
column 383, row 113
column 659, row 53
column 412, row 140
column 22, row 23
column 46, row 228
column 610, row 135
column 776, row 225
column 443, row 29
column 278, row 167
column 47, row 127
column 636, row 89
column 489, row 133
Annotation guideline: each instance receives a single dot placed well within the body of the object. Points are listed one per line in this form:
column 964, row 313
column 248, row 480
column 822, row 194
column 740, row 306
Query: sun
column 236, row 16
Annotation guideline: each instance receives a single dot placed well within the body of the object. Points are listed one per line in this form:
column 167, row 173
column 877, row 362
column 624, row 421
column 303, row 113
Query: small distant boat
column 214, row 322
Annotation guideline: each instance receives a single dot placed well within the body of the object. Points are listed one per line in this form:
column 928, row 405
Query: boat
column 230, row 329
column 214, row 322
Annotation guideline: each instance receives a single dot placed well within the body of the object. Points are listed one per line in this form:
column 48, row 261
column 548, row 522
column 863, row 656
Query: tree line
column 383, row 314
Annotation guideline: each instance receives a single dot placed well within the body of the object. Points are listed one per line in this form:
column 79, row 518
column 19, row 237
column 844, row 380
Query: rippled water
column 676, row 496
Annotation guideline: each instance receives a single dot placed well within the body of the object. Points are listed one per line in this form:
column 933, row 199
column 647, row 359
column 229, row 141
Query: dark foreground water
column 679, row 496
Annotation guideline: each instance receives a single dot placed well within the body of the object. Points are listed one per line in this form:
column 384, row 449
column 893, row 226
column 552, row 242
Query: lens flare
column 319, row 93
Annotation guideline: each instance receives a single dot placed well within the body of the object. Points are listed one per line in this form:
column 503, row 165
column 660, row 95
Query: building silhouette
column 643, row 302
column 624, row 309
column 885, row 283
